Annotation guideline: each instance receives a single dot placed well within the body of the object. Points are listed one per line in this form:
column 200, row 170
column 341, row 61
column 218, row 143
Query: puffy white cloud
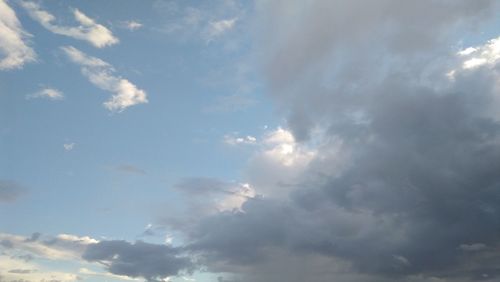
column 14, row 48
column 101, row 74
column 47, row 93
column 88, row 30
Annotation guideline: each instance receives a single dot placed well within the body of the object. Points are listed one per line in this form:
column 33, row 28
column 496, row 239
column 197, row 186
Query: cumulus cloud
column 397, row 173
column 140, row 259
column 14, row 47
column 10, row 191
column 101, row 74
column 87, row 30
column 47, row 93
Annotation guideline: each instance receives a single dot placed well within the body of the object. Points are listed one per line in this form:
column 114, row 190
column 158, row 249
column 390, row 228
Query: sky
column 249, row 141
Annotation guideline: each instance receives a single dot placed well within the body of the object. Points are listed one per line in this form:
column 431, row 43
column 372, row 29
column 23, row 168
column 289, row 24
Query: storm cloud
column 140, row 259
column 412, row 187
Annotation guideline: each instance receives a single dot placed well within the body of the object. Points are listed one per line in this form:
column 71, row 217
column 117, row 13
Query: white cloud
column 487, row 54
column 88, row 30
column 218, row 28
column 14, row 49
column 47, row 93
column 278, row 163
column 100, row 73
column 132, row 25
column 233, row 139
column 69, row 146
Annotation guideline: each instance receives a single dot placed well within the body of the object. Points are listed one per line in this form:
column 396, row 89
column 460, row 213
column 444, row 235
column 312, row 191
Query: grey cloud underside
column 150, row 261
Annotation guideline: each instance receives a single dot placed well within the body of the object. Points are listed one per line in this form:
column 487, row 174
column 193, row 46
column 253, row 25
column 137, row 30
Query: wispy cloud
column 101, row 74
column 234, row 139
column 132, row 25
column 88, row 29
column 14, row 49
column 10, row 191
column 47, row 93
column 218, row 28
column 68, row 146
column 128, row 168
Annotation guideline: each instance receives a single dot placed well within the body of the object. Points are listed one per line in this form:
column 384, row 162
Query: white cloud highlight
column 88, row 30
column 487, row 54
column 233, row 139
column 47, row 93
column 14, row 49
column 100, row 73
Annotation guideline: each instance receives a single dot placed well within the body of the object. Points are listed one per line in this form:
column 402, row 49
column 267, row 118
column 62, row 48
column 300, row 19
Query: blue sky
column 248, row 140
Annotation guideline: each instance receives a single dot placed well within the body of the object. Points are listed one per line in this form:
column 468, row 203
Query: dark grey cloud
column 417, row 197
column 140, row 259
column 10, row 191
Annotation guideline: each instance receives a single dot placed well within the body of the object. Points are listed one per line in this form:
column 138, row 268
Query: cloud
column 88, row 30
column 472, row 247
column 14, row 48
column 60, row 247
column 47, row 93
column 128, row 168
column 132, row 25
column 395, row 165
column 233, row 139
column 12, row 269
column 69, row 146
column 152, row 262
column 101, row 74
column 207, row 22
column 10, row 191
column 218, row 28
